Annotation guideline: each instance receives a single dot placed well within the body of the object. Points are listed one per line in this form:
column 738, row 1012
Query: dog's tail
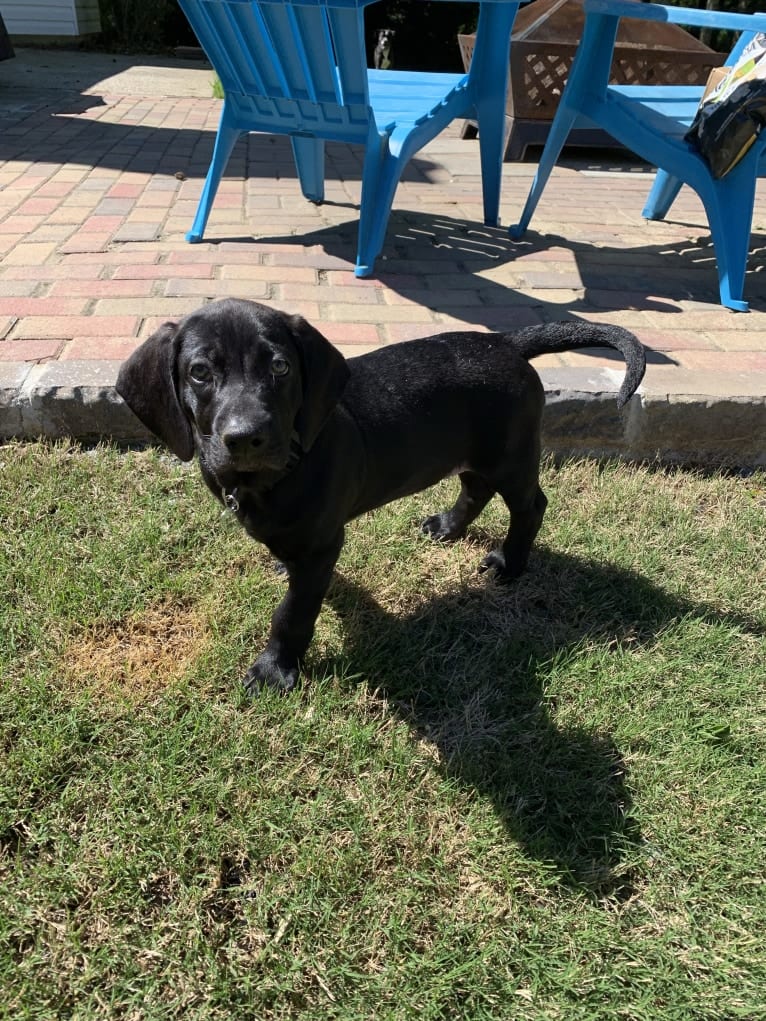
column 554, row 337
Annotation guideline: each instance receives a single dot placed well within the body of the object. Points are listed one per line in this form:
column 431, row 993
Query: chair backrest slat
column 297, row 40
column 245, row 23
column 283, row 51
column 348, row 41
column 209, row 24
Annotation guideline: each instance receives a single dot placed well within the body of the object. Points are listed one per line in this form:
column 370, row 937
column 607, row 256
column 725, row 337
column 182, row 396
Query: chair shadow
column 476, row 689
column 422, row 248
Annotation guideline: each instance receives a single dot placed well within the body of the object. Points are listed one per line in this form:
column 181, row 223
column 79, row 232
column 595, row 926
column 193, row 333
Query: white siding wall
column 50, row 17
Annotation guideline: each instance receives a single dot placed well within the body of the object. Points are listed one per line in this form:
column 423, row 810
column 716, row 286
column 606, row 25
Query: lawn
column 533, row 802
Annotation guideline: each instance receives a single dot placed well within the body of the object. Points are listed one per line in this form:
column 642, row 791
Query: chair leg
column 384, row 161
column 560, row 127
column 494, row 131
column 489, row 88
column 662, row 196
column 586, row 86
column 309, row 162
column 729, row 207
column 380, row 177
column 225, row 140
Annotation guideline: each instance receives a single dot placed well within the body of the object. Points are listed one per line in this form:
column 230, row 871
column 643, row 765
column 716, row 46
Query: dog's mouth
column 252, row 464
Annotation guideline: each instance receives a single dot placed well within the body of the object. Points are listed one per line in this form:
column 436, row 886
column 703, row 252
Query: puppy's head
column 236, row 381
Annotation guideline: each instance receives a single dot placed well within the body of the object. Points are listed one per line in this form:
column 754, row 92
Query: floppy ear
column 146, row 382
column 324, row 372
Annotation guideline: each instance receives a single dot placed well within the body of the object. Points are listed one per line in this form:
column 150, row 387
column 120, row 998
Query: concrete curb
column 77, row 400
column 686, row 426
column 72, row 399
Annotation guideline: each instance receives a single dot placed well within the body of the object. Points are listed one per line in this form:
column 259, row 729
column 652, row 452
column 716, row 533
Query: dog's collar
column 230, row 501
column 230, row 497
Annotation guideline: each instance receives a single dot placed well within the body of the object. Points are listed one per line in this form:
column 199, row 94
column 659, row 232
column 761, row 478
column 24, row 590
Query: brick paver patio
column 98, row 187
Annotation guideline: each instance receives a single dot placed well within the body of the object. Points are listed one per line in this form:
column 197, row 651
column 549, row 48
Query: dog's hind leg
column 475, row 494
column 510, row 560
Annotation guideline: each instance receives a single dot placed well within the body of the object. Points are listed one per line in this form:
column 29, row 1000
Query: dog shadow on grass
column 473, row 673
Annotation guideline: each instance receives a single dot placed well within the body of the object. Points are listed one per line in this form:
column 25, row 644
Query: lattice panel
column 538, row 84
column 538, row 77
column 672, row 71
column 539, row 71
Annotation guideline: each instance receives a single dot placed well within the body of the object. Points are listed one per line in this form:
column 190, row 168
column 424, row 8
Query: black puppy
column 296, row 441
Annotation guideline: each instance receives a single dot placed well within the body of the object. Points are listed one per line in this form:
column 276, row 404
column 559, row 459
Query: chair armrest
column 677, row 15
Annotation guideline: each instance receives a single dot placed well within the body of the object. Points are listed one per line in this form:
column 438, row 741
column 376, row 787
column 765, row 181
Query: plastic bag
column 732, row 113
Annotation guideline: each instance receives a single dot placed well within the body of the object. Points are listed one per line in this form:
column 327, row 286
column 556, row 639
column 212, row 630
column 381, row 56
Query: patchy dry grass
column 535, row 802
column 143, row 654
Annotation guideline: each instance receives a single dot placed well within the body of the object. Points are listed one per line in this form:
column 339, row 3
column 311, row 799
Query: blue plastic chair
column 651, row 121
column 298, row 67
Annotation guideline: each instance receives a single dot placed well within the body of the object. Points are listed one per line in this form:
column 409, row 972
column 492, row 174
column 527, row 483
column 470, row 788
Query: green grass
column 538, row 802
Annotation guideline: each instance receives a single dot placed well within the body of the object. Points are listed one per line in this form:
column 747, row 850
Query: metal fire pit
column 543, row 45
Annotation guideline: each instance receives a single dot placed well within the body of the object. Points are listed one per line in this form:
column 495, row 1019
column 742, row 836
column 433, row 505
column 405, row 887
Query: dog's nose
column 240, row 438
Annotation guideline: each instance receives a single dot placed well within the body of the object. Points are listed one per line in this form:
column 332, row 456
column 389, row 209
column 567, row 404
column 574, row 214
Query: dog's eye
column 200, row 372
column 279, row 367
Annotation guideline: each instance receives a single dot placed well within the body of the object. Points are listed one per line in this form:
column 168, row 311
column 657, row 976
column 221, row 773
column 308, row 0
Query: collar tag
column 231, row 502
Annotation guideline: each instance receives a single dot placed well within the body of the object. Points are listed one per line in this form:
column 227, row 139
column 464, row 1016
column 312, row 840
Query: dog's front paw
column 496, row 563
column 265, row 673
column 442, row 527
